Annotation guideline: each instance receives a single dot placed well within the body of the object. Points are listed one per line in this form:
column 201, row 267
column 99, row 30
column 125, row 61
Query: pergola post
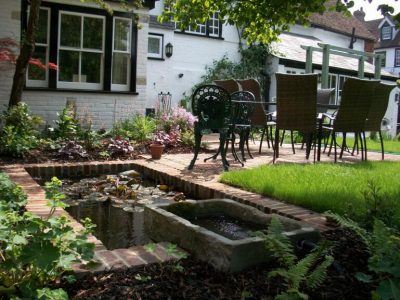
column 378, row 65
column 361, row 61
column 325, row 67
column 309, row 53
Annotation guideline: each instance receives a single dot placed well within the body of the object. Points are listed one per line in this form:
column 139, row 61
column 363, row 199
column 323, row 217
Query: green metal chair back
column 243, row 105
column 212, row 106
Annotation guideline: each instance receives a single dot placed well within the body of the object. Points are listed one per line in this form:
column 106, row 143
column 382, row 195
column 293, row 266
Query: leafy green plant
column 138, row 128
column 67, row 126
column 187, row 137
column 35, row 251
column 19, row 130
column 308, row 272
column 12, row 196
column 384, row 261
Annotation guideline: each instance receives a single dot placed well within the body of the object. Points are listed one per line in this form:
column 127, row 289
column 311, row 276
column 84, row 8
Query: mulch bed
column 198, row 280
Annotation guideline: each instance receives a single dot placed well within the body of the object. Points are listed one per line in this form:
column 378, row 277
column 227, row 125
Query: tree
column 261, row 20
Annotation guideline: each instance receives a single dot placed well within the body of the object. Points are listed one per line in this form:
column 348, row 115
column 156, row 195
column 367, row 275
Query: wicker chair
column 355, row 104
column 212, row 106
column 378, row 109
column 296, row 106
column 323, row 97
column 260, row 118
column 230, row 85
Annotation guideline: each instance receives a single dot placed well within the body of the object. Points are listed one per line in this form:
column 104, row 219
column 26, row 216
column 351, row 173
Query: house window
column 81, row 51
column 383, row 58
column 386, row 32
column 121, row 58
column 94, row 51
column 155, row 45
column 397, row 58
column 37, row 76
column 211, row 28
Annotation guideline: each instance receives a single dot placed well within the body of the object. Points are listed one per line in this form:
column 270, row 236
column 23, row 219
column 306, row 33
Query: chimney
column 360, row 14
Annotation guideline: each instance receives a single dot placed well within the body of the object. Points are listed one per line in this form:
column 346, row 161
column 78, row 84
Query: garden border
column 136, row 256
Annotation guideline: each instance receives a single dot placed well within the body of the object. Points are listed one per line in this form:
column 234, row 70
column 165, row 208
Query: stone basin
column 176, row 223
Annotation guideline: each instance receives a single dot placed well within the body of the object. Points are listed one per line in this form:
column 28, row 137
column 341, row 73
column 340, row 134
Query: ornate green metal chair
column 211, row 104
column 243, row 106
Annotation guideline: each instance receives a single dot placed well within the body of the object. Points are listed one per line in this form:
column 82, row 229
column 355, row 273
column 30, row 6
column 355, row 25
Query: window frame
column 55, row 7
column 38, row 82
column 81, row 49
column 387, row 34
column 207, row 25
column 397, row 57
column 116, row 86
column 161, row 48
column 383, row 61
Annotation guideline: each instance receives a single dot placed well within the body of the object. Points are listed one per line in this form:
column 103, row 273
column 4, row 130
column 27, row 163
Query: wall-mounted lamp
column 169, row 49
column 180, row 75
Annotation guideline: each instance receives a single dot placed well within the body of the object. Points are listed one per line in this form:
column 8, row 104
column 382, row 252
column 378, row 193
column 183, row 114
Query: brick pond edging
column 135, row 256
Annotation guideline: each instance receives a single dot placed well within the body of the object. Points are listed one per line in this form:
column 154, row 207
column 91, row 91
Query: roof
column 155, row 24
column 337, row 22
column 373, row 26
column 289, row 48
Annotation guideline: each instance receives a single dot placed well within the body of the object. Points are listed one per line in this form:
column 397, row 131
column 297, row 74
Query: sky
column 370, row 8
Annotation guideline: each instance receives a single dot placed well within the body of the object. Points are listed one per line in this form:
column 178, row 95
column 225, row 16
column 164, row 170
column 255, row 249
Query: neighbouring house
column 387, row 43
column 193, row 50
column 102, row 59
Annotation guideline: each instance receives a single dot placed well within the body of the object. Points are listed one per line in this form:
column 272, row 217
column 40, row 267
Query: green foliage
column 340, row 188
column 384, row 261
column 19, row 130
column 262, row 21
column 67, row 126
column 12, row 196
column 309, row 272
column 138, row 128
column 36, row 251
column 187, row 138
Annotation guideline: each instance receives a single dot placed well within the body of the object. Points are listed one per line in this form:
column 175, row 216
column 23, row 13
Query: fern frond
column 318, row 275
column 299, row 271
column 353, row 226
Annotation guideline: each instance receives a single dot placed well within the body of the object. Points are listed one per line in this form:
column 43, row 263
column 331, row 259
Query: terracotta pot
column 156, row 150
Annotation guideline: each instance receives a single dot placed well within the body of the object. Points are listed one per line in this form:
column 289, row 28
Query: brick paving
column 201, row 182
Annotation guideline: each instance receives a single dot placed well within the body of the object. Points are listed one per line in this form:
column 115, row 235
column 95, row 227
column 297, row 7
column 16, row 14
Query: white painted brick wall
column 103, row 109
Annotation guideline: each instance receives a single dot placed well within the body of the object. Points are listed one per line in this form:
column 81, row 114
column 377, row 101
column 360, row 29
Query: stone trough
column 225, row 247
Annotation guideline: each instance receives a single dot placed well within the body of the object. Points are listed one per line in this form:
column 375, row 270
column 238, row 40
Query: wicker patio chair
column 230, row 85
column 211, row 104
column 296, row 106
column 378, row 109
column 323, row 98
column 260, row 118
column 357, row 95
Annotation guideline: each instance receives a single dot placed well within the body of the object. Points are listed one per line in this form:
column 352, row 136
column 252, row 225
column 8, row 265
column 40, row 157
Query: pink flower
column 36, row 62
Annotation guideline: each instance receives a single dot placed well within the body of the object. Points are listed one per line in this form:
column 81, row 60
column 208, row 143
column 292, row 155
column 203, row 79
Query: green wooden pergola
column 327, row 50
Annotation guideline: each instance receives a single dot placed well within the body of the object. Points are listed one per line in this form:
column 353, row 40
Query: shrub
column 19, row 130
column 36, row 251
column 178, row 119
column 12, row 197
column 119, row 147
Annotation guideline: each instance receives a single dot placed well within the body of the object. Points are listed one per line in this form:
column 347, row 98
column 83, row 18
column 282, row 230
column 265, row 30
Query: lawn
column 339, row 188
column 389, row 146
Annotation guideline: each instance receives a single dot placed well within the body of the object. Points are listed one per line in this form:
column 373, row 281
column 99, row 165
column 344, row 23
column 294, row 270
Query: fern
column 353, row 226
column 307, row 271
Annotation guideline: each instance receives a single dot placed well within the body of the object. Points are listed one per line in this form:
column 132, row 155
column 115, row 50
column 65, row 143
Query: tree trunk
column 28, row 46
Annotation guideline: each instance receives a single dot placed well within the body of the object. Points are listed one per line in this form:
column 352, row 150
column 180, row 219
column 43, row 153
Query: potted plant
column 157, row 145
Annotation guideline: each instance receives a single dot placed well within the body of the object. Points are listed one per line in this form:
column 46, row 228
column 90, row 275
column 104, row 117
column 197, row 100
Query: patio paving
column 210, row 170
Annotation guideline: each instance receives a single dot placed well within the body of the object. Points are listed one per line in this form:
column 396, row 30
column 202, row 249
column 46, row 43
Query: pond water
column 230, row 228
column 115, row 203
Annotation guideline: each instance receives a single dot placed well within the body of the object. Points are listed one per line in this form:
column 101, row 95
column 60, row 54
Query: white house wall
column 190, row 57
column 389, row 63
column 102, row 108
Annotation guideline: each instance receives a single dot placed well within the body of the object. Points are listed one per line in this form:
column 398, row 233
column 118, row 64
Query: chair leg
column 334, row 142
column 197, row 139
column 343, row 145
column 222, row 138
column 276, row 146
column 380, row 137
column 361, row 145
column 355, row 144
column 291, row 139
column 261, row 140
column 247, row 136
column 283, row 136
column 271, row 136
column 365, row 145
column 267, row 137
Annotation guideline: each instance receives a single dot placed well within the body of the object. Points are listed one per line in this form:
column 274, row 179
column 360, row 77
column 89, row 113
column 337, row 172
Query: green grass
column 389, row 146
column 322, row 187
